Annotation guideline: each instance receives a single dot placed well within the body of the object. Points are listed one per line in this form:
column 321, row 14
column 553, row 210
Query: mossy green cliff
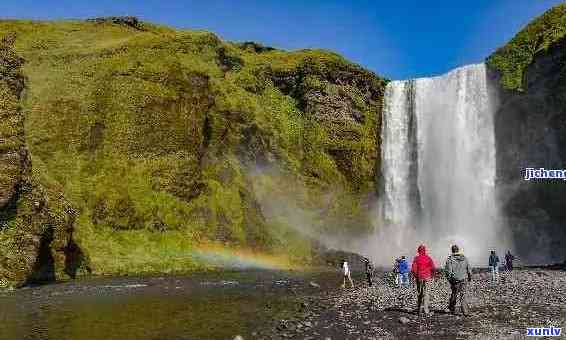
column 137, row 143
column 513, row 59
column 36, row 222
column 530, row 131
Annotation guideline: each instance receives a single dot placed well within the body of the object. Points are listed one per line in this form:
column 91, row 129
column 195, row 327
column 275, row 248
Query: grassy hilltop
column 146, row 142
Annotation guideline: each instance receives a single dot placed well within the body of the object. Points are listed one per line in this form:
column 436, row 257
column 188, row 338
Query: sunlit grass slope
column 164, row 140
column 538, row 36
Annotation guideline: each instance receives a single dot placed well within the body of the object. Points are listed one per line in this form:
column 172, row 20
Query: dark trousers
column 458, row 293
column 422, row 295
column 369, row 278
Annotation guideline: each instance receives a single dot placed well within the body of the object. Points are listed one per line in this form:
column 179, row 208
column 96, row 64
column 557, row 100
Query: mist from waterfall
column 438, row 167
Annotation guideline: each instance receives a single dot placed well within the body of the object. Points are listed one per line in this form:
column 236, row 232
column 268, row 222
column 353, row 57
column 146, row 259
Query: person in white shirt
column 346, row 272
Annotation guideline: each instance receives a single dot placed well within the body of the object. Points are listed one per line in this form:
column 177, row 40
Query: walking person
column 423, row 269
column 369, row 272
column 494, row 266
column 458, row 271
column 509, row 260
column 347, row 274
column 403, row 272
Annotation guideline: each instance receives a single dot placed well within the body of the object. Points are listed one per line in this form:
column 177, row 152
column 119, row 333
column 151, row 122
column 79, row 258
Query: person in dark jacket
column 509, row 260
column 494, row 266
column 423, row 269
column 458, row 271
column 369, row 271
column 396, row 272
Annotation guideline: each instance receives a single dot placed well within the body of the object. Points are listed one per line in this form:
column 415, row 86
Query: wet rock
column 314, row 284
column 282, row 325
column 522, row 299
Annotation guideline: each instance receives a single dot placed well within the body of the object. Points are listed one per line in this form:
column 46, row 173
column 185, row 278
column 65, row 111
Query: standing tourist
column 369, row 271
column 423, row 269
column 509, row 260
column 347, row 274
column 458, row 270
column 396, row 272
column 494, row 266
column 403, row 271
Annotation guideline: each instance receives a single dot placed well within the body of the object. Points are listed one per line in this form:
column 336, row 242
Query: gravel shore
column 521, row 299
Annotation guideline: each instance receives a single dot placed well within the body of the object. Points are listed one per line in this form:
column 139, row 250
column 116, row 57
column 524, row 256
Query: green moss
column 512, row 59
column 153, row 136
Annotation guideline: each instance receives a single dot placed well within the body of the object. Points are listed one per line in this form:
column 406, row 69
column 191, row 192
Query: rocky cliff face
column 36, row 224
column 142, row 143
column 346, row 100
column 530, row 129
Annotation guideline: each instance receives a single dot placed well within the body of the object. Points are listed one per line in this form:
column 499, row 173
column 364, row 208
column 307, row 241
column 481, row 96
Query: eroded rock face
column 12, row 152
column 345, row 100
column 36, row 223
column 129, row 21
column 530, row 129
column 313, row 84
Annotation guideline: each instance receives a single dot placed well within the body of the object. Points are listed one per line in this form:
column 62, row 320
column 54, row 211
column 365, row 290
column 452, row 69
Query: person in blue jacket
column 404, row 271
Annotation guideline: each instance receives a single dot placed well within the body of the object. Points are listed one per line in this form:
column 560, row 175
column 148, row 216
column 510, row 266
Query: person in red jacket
column 423, row 269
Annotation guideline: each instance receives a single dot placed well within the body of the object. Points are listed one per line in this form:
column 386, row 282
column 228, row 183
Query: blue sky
column 395, row 38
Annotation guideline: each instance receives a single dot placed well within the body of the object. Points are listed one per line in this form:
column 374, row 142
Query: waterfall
column 397, row 152
column 438, row 165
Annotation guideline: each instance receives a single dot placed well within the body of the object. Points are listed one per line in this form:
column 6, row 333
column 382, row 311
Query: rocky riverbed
column 521, row 299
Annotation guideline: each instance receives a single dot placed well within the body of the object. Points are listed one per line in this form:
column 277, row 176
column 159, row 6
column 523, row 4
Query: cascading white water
column 438, row 164
column 396, row 152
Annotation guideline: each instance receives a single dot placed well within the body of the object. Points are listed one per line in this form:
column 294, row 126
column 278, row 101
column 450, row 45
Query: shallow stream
column 202, row 306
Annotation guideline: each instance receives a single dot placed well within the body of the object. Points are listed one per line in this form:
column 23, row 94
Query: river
column 202, row 306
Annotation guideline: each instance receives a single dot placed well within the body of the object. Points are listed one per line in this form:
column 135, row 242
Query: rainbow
column 220, row 256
